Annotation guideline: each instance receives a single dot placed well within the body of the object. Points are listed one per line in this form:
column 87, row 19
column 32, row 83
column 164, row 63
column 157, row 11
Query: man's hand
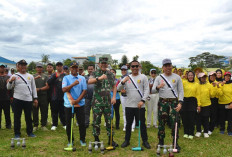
column 103, row 77
column 12, row 79
column 161, row 85
column 36, row 103
column 178, row 107
column 113, row 101
column 230, row 106
column 123, row 91
column 126, row 79
column 38, row 89
column 214, row 84
column 198, row 109
column 37, row 77
column 140, row 104
column 83, row 74
column 76, row 82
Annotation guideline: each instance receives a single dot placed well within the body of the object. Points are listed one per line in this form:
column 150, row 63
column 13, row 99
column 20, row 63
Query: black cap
column 103, row 60
column 59, row 63
column 23, row 62
column 39, row 65
column 50, row 64
column 2, row 65
column 65, row 67
column 74, row 64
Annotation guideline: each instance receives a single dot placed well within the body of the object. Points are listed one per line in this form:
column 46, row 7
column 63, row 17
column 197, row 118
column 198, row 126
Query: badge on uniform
column 28, row 78
column 173, row 81
column 139, row 81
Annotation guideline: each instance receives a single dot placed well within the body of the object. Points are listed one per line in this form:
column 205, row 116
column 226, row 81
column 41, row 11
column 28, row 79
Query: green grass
column 51, row 143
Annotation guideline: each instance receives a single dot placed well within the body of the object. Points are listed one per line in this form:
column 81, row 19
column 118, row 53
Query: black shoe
column 125, row 144
column 178, row 148
column 114, row 144
column 146, row 145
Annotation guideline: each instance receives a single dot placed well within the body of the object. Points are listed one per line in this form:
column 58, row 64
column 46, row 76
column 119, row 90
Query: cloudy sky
column 151, row 29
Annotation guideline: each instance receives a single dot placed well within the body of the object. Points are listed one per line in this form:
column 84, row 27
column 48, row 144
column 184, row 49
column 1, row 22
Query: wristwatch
column 97, row 78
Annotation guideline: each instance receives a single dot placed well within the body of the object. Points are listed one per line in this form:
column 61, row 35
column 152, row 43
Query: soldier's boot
column 96, row 138
column 161, row 142
column 177, row 145
column 114, row 144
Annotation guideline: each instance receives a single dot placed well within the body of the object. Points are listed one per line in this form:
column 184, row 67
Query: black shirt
column 4, row 93
column 55, row 83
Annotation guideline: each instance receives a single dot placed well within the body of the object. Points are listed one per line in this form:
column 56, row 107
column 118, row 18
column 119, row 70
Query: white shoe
column 133, row 129
column 35, row 129
column 53, row 128
column 44, row 128
column 206, row 135
column 209, row 132
column 156, row 126
column 124, row 129
column 64, row 127
column 198, row 134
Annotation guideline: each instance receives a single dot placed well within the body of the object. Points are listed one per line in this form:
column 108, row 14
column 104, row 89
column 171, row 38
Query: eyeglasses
column 153, row 72
column 133, row 66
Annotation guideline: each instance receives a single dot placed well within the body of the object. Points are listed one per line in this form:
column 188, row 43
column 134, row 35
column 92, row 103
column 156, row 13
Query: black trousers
column 87, row 110
column 213, row 113
column 130, row 114
column 80, row 112
column 43, row 106
column 5, row 106
column 225, row 114
column 188, row 119
column 203, row 119
column 116, row 111
column 20, row 105
column 57, row 108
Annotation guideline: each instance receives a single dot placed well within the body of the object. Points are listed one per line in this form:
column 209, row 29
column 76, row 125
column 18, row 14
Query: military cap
column 22, row 62
column 103, row 60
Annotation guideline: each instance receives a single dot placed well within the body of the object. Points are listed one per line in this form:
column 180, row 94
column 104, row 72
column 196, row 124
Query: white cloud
column 152, row 29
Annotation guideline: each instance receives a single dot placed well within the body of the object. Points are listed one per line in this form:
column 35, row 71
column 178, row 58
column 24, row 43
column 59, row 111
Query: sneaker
column 206, row 135
column 146, row 145
column 83, row 143
column 190, row 137
column 209, row 132
column 133, row 129
column 185, row 136
column 17, row 136
column 44, row 128
column 148, row 125
column 77, row 124
column 222, row 132
column 35, row 129
column 156, row 126
column 198, row 134
column 230, row 133
column 125, row 144
column 124, row 129
column 53, row 128
column 64, row 127
column 31, row 135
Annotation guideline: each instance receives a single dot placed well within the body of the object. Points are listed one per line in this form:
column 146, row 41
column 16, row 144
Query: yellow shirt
column 191, row 90
column 225, row 94
column 206, row 91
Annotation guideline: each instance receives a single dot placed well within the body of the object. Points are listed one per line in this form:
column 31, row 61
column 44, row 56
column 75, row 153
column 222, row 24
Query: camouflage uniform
column 102, row 101
column 166, row 110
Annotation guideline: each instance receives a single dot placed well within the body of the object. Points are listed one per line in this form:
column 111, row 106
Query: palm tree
column 45, row 59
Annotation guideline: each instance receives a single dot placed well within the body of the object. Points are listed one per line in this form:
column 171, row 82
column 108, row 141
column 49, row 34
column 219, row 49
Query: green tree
column 45, row 59
column 67, row 61
column 135, row 58
column 206, row 60
column 86, row 63
column 147, row 66
column 115, row 64
column 124, row 60
column 31, row 67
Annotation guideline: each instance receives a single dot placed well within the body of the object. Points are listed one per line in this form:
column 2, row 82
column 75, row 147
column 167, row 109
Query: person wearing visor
column 152, row 103
column 206, row 91
column 225, row 104
column 74, row 87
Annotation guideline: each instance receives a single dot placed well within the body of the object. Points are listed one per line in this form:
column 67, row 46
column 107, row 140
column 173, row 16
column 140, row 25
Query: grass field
column 51, row 143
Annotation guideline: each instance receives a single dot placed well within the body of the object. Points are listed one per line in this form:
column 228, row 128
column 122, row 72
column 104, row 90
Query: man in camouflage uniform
column 170, row 102
column 104, row 83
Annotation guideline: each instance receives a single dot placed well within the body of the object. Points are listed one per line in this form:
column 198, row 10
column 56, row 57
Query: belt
column 168, row 99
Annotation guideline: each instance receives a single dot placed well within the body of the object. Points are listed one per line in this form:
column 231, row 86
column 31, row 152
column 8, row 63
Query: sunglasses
column 124, row 70
column 133, row 66
column 153, row 72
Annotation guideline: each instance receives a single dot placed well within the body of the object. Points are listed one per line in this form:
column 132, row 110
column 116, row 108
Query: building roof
column 4, row 60
column 80, row 57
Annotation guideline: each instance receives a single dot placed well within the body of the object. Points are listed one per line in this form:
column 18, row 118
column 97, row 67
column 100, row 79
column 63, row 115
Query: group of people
column 192, row 97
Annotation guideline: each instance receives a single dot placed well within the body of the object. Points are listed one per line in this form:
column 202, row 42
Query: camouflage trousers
column 166, row 110
column 97, row 113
